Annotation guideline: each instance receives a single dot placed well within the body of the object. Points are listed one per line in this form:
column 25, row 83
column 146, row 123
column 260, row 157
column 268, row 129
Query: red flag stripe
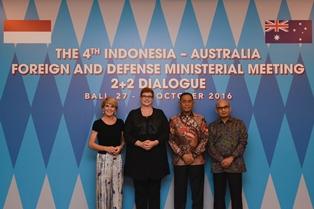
column 27, row 25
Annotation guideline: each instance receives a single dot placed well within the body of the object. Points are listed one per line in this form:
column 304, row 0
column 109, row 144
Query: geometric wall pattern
column 45, row 122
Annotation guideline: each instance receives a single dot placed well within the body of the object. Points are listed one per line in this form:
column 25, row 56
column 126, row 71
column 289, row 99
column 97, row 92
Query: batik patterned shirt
column 188, row 134
column 227, row 139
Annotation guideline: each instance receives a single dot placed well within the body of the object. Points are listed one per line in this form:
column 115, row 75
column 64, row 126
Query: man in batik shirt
column 227, row 141
column 188, row 139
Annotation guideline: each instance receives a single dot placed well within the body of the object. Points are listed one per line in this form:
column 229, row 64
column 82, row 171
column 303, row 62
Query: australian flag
column 288, row 31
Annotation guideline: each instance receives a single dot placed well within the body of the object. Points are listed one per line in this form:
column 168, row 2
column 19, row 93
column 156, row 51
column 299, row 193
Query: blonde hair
column 109, row 100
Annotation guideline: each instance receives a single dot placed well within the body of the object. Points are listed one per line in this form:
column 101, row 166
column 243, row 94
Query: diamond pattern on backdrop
column 14, row 10
column 6, row 60
column 14, row 126
column 188, row 31
column 6, row 53
column 285, row 167
column 270, row 199
column 95, row 38
column 205, row 107
column 13, row 199
column 79, row 12
column 47, row 112
column 111, row 13
column 63, row 36
column 204, row 12
column 143, row 12
column 87, row 172
column 252, row 36
column 306, row 55
column 220, row 36
column 308, row 172
column 267, row 10
column 268, row 107
column 45, row 199
column 23, row 55
column 256, row 177
column 271, row 106
column 6, row 168
column 241, row 104
column 236, row 17
column 62, row 168
column 78, row 114
column 300, row 10
column 302, row 199
column 173, row 13
column 48, row 10
column 78, row 198
column 297, row 111
column 30, row 168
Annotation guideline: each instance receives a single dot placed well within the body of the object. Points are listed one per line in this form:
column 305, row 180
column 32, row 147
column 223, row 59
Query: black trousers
column 235, row 186
column 194, row 174
column 147, row 193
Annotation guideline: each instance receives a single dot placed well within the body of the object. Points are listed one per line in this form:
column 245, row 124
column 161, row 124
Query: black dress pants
column 147, row 193
column 194, row 174
column 235, row 186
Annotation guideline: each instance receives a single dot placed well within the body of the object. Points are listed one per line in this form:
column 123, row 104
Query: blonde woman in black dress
column 107, row 139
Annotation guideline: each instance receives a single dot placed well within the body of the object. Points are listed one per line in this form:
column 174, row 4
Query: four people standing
column 188, row 139
column 146, row 133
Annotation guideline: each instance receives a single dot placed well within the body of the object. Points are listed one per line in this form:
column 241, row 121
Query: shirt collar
column 230, row 119
column 191, row 114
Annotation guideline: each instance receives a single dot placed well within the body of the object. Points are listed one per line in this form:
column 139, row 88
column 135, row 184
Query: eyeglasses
column 223, row 107
column 147, row 96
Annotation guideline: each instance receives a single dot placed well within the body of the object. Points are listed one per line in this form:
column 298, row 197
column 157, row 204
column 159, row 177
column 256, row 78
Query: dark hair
column 186, row 93
column 147, row 90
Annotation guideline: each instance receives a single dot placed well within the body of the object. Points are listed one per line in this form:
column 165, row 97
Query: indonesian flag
column 27, row 31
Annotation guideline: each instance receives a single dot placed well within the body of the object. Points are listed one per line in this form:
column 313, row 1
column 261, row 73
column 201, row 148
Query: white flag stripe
column 27, row 37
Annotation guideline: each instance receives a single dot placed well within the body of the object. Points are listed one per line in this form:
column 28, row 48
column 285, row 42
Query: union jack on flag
column 276, row 25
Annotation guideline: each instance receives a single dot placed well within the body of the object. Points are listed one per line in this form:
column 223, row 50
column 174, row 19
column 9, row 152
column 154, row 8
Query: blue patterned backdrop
column 45, row 120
